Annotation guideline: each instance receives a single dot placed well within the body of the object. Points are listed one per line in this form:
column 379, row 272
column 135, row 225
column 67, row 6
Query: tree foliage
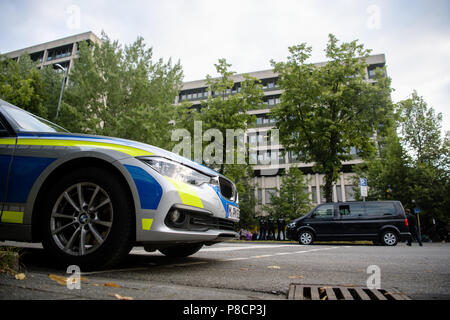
column 291, row 200
column 327, row 110
column 26, row 86
column 225, row 112
column 122, row 92
column 414, row 164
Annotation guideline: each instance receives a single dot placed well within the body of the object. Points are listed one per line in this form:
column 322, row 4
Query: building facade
column 268, row 176
column 62, row 51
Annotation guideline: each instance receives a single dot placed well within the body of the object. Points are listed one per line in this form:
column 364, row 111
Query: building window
column 339, row 193
column 349, row 193
column 268, row 194
column 314, row 194
column 259, row 196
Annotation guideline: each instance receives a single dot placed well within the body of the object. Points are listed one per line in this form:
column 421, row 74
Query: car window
column 3, row 131
column 380, row 209
column 351, row 210
column 325, row 211
column 28, row 122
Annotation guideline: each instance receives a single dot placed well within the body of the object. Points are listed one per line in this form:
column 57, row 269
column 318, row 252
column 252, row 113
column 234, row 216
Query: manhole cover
column 322, row 292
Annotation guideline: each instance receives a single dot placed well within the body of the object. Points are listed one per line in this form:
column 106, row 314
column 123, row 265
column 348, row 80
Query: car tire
column 88, row 219
column 181, row 251
column 389, row 238
column 305, row 237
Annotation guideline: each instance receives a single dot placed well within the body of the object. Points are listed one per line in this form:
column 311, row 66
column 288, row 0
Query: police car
column 90, row 199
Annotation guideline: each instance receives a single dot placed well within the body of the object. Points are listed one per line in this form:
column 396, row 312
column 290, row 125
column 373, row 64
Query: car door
column 352, row 216
column 7, row 147
column 323, row 221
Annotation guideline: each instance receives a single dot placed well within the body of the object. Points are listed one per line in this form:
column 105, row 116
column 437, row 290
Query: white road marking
column 221, row 249
column 275, row 254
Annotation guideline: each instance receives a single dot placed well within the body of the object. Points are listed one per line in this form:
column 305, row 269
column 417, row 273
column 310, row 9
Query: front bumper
column 206, row 210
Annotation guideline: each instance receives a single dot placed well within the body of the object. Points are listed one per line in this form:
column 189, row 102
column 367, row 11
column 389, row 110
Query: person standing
column 412, row 223
column 262, row 228
column 281, row 226
column 271, row 228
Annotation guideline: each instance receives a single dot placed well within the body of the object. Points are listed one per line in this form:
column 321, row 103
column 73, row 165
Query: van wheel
column 181, row 251
column 305, row 237
column 389, row 238
column 88, row 219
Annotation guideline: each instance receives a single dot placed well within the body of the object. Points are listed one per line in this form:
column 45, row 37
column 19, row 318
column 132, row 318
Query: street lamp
column 62, row 86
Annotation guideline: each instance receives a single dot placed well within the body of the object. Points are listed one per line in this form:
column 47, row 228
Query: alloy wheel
column 390, row 238
column 81, row 219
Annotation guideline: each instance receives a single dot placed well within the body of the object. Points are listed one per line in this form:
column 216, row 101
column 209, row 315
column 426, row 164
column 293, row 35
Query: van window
column 380, row 209
column 351, row 210
column 325, row 211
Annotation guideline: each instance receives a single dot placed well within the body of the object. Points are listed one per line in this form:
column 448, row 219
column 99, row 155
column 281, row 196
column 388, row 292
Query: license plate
column 233, row 212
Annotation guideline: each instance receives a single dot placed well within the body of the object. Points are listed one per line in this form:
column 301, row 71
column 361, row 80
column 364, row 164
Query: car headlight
column 176, row 171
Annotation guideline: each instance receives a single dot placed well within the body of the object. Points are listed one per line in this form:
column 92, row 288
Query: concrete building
column 268, row 176
column 62, row 51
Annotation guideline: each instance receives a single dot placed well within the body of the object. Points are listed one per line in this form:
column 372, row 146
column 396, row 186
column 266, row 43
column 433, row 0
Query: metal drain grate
column 315, row 292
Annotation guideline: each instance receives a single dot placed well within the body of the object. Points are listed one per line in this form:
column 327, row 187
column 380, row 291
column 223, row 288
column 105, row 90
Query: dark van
column 378, row 221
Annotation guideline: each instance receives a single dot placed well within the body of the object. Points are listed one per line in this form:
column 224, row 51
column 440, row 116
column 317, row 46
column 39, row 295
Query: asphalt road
column 241, row 271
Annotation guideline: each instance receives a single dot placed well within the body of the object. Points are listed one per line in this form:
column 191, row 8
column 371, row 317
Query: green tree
column 327, row 110
column 387, row 173
column 242, row 175
column 429, row 177
column 292, row 199
column 224, row 111
column 122, row 92
column 414, row 165
column 421, row 130
column 24, row 85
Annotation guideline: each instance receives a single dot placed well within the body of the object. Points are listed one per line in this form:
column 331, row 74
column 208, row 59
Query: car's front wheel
column 181, row 251
column 88, row 219
column 306, row 237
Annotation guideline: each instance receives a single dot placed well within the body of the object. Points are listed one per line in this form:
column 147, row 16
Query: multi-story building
column 268, row 176
column 62, row 51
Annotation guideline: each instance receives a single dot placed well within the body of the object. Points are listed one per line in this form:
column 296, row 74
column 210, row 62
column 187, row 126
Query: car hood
column 128, row 143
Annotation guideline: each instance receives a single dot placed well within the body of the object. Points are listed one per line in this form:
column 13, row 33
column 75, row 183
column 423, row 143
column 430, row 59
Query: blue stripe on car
column 24, row 172
column 150, row 192
column 226, row 203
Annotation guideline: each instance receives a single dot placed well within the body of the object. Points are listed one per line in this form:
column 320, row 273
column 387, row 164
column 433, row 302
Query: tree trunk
column 329, row 186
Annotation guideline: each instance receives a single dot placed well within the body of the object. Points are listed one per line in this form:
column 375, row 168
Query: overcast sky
column 414, row 35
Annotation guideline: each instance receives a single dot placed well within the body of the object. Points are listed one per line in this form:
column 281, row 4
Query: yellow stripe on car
column 7, row 141
column 134, row 152
column 147, row 224
column 12, row 217
column 187, row 194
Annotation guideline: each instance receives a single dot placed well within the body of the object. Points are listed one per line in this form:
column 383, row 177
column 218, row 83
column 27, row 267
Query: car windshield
column 28, row 122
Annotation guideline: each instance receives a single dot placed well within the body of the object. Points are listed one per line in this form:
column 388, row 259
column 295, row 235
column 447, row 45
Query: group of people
column 267, row 228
